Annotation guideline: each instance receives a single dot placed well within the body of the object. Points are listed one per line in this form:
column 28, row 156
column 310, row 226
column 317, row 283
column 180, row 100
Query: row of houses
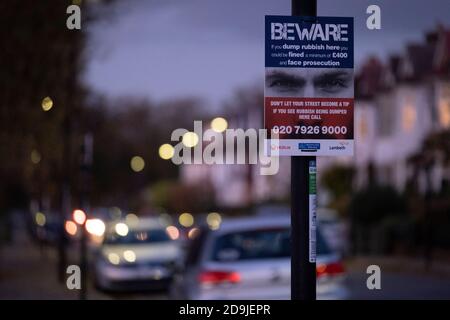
column 398, row 103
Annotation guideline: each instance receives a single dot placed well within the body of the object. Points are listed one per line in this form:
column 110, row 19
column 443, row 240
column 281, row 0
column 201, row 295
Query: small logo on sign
column 309, row 147
column 275, row 147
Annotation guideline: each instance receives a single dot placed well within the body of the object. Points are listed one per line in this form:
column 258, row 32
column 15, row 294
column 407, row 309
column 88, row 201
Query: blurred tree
column 131, row 127
column 42, row 97
column 374, row 203
column 41, row 58
column 160, row 194
column 368, row 209
column 175, row 197
column 194, row 198
column 431, row 207
column 338, row 180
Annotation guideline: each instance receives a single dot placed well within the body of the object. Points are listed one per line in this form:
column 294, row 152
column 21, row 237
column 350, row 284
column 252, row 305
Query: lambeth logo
column 337, row 148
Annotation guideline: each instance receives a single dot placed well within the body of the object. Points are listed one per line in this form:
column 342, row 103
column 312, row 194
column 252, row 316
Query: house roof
column 418, row 62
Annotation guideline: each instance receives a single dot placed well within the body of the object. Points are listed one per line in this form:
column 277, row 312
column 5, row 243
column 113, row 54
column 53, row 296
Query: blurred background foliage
column 41, row 150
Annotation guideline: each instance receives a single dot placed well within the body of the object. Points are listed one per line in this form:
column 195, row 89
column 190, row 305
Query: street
column 27, row 272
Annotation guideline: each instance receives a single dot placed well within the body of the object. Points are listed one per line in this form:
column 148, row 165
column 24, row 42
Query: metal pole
column 65, row 193
column 83, row 263
column 85, row 168
column 303, row 272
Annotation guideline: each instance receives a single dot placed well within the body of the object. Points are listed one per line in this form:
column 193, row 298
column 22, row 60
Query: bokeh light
column 165, row 219
column 115, row 213
column 71, row 227
column 79, row 216
column 190, row 139
column 186, row 219
column 213, row 220
column 137, row 164
column 131, row 219
column 173, row 232
column 40, row 219
column 193, row 233
column 129, row 255
column 121, row 229
column 95, row 227
column 114, row 258
column 219, row 124
column 47, row 103
column 35, row 157
column 166, row 151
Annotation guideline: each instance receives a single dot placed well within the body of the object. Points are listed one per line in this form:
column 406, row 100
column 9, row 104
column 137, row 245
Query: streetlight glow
column 186, row 219
column 47, row 104
column 137, row 164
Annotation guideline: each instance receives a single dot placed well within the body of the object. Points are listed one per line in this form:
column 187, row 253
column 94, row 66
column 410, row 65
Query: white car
column 249, row 258
column 135, row 257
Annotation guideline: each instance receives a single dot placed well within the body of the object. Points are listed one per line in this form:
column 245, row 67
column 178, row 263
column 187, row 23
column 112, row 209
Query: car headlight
column 113, row 258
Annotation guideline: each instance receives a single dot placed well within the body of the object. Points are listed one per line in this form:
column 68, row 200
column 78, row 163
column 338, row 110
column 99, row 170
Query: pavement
column 402, row 277
column 29, row 272
column 398, row 286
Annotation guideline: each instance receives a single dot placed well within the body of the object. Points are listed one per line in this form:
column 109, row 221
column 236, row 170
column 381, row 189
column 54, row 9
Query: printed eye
column 332, row 84
column 284, row 84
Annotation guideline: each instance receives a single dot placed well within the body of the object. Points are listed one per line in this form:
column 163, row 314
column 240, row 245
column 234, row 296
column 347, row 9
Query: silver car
column 249, row 258
column 135, row 257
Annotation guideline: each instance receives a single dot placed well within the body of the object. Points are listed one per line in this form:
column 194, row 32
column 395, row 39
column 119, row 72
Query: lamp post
column 303, row 272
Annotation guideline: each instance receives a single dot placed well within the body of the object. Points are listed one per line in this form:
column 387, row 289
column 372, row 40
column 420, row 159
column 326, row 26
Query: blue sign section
column 309, row 42
column 309, row 146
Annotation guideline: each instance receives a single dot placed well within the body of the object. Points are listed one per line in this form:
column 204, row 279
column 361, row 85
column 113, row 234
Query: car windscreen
column 258, row 244
column 138, row 237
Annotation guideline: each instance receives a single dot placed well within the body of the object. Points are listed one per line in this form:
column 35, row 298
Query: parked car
column 249, row 258
column 135, row 257
column 333, row 229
